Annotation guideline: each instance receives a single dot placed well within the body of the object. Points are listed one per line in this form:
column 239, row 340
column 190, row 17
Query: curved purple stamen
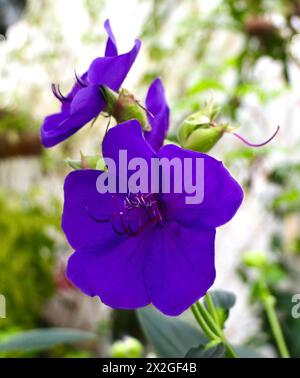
column 79, row 81
column 139, row 200
column 95, row 218
column 136, row 201
column 254, row 144
column 146, row 201
column 127, row 227
column 57, row 93
column 131, row 202
column 119, row 233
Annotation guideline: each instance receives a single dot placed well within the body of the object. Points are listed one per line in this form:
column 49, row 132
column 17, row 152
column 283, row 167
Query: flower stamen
column 57, row 93
column 254, row 144
column 120, row 221
column 79, row 81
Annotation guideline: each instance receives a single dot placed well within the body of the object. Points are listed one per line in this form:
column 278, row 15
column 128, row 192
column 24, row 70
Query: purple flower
column 133, row 250
column 85, row 101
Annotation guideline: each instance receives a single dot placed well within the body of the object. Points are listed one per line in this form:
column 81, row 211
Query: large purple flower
column 132, row 250
column 85, row 101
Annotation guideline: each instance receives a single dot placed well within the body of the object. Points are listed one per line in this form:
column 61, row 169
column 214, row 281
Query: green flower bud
column 203, row 139
column 127, row 348
column 124, row 107
column 190, row 124
column 199, row 131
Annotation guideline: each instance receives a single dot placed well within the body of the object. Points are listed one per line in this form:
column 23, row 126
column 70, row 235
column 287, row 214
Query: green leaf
column 246, row 352
column 223, row 299
column 201, row 351
column 39, row 339
column 170, row 337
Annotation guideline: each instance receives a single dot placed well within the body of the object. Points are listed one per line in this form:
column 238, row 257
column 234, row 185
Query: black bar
column 94, row 367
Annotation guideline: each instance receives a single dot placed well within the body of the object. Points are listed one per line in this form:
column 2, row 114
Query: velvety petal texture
column 222, row 195
column 112, row 70
column 82, row 205
column 111, row 44
column 169, row 261
column 85, row 102
column 86, row 105
column 159, row 114
column 179, row 266
column 127, row 136
column 113, row 270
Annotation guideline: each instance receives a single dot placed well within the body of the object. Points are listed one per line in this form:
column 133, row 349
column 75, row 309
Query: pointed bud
column 189, row 125
column 124, row 107
column 199, row 132
column 203, row 139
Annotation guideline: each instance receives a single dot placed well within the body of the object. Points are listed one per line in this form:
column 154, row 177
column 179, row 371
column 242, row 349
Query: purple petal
column 113, row 270
column 179, row 266
column 86, row 105
column 111, row 44
column 112, row 70
column 76, row 88
column 160, row 114
column 222, row 194
column 127, row 136
column 50, row 124
column 88, row 101
column 83, row 203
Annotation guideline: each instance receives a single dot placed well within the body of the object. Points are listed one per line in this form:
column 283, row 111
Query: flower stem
column 208, row 318
column 231, row 353
column 209, row 322
column 206, row 329
column 211, row 308
column 269, row 304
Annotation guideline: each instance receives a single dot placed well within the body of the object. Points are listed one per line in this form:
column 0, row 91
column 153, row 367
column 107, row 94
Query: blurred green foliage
column 13, row 122
column 194, row 34
column 287, row 177
column 26, row 257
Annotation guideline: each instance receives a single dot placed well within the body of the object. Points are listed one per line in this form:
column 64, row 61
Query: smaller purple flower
column 135, row 249
column 85, row 101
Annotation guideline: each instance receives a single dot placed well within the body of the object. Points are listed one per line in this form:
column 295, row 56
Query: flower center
column 147, row 202
column 131, row 222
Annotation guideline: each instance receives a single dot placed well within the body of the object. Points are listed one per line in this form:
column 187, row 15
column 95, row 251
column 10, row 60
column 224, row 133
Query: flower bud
column 203, row 139
column 127, row 348
column 124, row 107
column 190, row 124
column 199, row 131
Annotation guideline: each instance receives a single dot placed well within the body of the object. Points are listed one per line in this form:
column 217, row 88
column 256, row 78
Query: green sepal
column 87, row 162
column 123, row 107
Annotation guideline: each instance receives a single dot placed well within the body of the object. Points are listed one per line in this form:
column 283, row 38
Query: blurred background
column 244, row 53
